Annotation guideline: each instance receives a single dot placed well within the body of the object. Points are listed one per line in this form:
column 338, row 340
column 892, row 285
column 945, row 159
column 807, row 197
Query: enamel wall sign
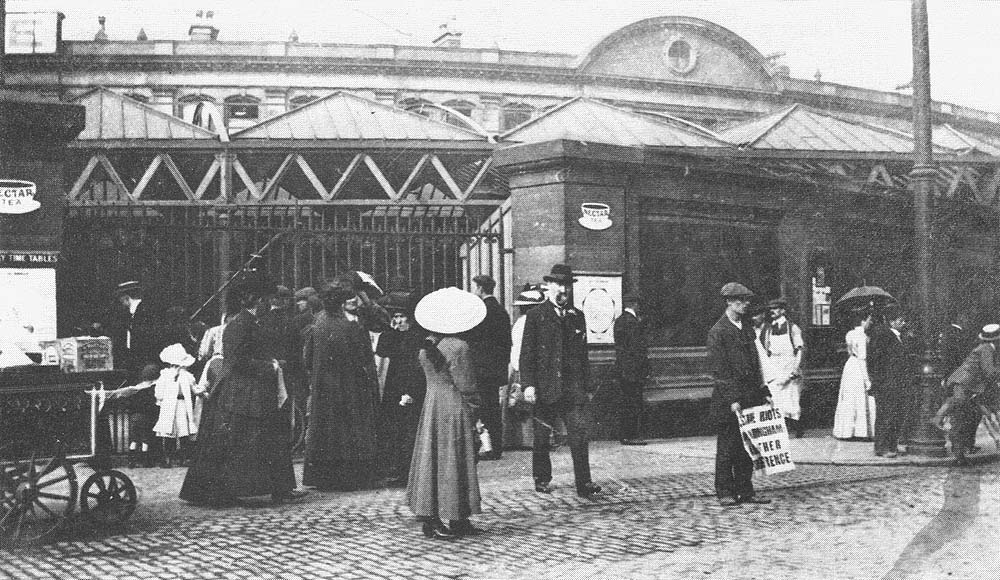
column 18, row 196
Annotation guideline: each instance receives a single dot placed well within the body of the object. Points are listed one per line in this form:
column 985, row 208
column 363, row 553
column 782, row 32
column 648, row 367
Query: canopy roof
column 114, row 117
column 345, row 116
column 583, row 119
column 800, row 128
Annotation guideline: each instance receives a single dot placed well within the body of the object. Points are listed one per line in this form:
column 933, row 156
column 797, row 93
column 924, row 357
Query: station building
column 669, row 159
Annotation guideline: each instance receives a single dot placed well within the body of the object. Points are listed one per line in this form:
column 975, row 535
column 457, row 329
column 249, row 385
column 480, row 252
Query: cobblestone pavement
column 656, row 519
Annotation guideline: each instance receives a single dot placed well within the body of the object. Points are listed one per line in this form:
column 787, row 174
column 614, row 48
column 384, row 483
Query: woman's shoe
column 437, row 530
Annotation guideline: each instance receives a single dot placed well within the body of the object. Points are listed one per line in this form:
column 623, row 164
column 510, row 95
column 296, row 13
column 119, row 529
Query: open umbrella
column 863, row 296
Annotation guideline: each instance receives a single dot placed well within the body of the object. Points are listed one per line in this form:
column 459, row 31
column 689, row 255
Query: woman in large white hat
column 443, row 484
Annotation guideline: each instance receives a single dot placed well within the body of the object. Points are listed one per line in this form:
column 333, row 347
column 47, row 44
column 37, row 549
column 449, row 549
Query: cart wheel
column 35, row 499
column 108, row 497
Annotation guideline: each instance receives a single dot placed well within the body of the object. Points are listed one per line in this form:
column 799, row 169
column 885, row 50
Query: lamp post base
column 925, row 439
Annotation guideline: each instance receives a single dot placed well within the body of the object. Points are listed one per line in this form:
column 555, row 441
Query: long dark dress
column 397, row 424
column 443, row 481
column 340, row 439
column 243, row 443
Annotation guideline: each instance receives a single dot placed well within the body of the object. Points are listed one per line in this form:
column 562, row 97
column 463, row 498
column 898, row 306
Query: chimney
column 101, row 35
column 449, row 36
column 781, row 70
column 203, row 30
column 141, row 37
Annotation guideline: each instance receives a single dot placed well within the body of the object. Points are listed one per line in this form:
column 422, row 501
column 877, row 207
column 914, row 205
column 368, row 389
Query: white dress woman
column 855, row 416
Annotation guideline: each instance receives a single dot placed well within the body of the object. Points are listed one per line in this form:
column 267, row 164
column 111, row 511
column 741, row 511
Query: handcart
column 48, row 428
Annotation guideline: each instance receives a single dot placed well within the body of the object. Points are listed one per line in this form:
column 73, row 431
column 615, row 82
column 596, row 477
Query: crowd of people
column 398, row 390
column 401, row 389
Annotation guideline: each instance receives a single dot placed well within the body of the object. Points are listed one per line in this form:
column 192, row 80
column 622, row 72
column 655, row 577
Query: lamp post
column 925, row 439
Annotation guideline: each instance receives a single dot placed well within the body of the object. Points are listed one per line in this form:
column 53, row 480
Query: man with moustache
column 554, row 372
column 735, row 369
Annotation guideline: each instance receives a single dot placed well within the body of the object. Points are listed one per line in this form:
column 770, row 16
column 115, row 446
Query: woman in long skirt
column 855, row 415
column 443, row 484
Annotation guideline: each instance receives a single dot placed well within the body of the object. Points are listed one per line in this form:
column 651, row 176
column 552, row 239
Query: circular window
column 680, row 55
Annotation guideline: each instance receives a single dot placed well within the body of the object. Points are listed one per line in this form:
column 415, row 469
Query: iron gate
column 182, row 252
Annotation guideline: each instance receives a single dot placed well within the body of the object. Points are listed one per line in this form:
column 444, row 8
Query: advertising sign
column 27, row 306
column 600, row 299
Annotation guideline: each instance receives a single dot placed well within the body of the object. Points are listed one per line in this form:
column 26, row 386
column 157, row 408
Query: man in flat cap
column 735, row 369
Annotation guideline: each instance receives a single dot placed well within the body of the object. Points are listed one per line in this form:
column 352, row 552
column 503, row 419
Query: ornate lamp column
column 925, row 439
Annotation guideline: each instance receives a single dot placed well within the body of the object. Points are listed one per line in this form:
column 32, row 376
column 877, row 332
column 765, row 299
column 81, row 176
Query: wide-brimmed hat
column 530, row 296
column 990, row 333
column 176, row 355
column 736, row 290
column 450, row 311
column 560, row 273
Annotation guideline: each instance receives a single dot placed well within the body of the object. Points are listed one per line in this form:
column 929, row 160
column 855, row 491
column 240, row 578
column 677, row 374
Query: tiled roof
column 345, row 116
column 586, row 120
column 800, row 128
column 111, row 116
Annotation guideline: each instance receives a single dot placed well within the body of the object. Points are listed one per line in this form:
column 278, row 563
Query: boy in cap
column 735, row 369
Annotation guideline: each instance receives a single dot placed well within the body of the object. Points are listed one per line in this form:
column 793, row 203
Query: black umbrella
column 863, row 296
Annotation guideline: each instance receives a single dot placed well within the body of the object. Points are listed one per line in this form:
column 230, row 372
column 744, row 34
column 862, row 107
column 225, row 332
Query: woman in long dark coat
column 405, row 385
column 443, row 483
column 243, row 445
column 340, row 439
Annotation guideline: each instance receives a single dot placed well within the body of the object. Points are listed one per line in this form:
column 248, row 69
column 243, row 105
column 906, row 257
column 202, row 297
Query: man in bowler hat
column 554, row 372
column 632, row 368
column 735, row 369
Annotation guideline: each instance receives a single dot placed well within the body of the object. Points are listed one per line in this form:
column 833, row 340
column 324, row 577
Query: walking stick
column 246, row 268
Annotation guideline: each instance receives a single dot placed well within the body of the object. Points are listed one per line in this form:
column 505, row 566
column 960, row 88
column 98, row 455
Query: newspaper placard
column 599, row 296
column 766, row 439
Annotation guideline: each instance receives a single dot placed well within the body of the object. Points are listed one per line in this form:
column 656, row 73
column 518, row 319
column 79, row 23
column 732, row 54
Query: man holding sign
column 735, row 369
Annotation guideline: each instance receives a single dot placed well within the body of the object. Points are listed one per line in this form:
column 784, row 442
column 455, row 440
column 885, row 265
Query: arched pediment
column 680, row 49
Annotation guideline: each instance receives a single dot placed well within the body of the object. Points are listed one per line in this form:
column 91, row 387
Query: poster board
column 766, row 439
column 27, row 306
column 599, row 296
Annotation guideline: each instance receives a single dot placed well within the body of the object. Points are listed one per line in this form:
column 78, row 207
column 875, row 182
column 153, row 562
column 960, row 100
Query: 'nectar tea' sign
column 18, row 196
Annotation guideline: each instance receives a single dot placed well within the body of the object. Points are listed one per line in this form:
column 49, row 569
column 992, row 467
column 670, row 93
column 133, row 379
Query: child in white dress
column 175, row 391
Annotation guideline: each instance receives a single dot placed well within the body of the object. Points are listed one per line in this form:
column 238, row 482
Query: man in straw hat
column 735, row 368
column 136, row 336
column 979, row 371
column 554, row 372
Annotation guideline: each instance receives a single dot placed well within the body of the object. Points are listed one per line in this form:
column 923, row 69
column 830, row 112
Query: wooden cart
column 48, row 428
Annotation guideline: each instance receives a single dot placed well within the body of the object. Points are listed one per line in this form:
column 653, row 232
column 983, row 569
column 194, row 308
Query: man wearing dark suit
column 957, row 340
column 490, row 348
column 892, row 378
column 632, row 368
column 735, row 369
column 137, row 332
column 554, row 371
column 137, row 337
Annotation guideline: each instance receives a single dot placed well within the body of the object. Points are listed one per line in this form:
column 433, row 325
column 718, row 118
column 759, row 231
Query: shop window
column 684, row 265
column 241, row 108
column 516, row 114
